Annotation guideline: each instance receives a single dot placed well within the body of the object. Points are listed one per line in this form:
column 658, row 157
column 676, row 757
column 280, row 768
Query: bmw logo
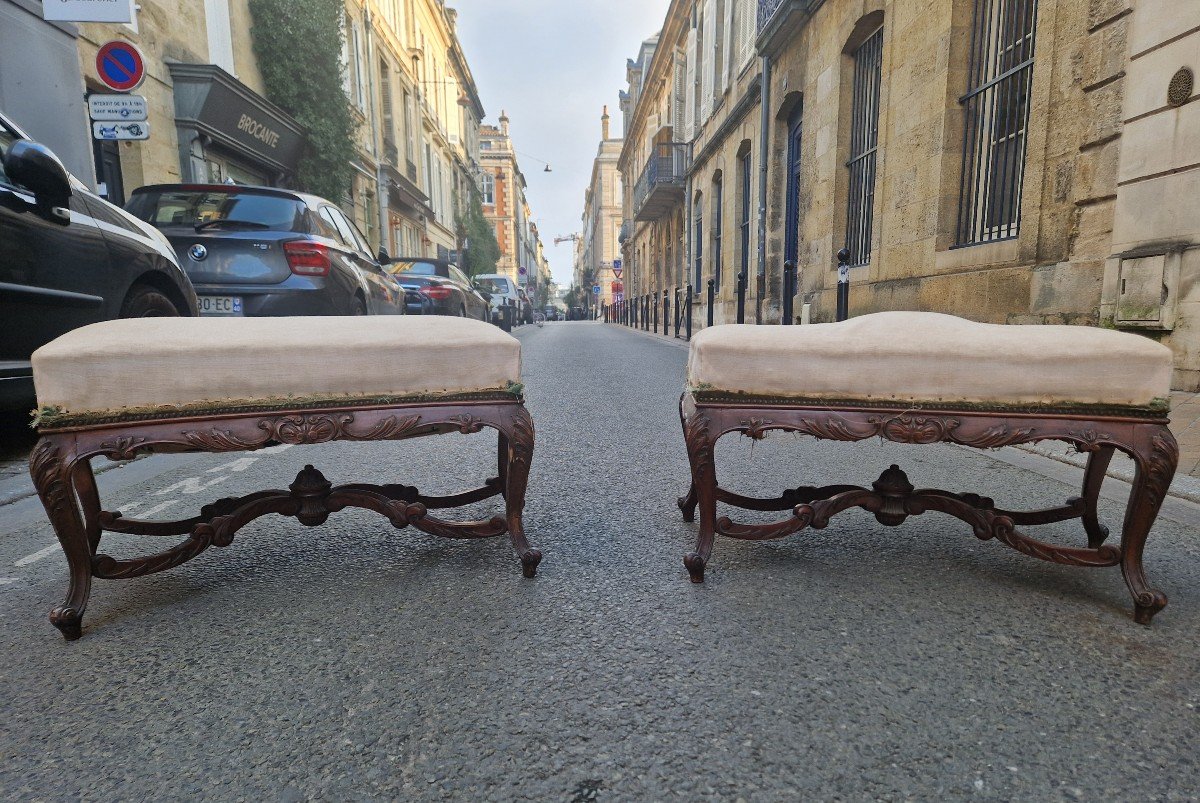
column 198, row 252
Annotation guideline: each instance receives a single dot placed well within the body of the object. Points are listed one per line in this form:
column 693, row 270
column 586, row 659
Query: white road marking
column 129, row 506
column 241, row 464
column 36, row 556
column 283, row 447
column 146, row 514
column 7, row 581
column 191, row 485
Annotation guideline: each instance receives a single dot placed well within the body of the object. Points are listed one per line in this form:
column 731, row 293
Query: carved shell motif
column 915, row 429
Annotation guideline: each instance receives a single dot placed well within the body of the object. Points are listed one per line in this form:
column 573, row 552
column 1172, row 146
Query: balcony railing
column 766, row 10
column 661, row 185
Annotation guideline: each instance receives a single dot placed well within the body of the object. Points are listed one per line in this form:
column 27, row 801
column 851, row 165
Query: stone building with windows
column 1021, row 161
column 419, row 113
column 208, row 118
column 506, row 207
column 601, row 221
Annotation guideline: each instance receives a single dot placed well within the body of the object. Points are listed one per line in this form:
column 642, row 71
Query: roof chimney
column 503, row 122
column 604, row 123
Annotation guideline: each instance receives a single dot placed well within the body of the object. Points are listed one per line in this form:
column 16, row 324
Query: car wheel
column 147, row 302
column 462, row 311
column 360, row 306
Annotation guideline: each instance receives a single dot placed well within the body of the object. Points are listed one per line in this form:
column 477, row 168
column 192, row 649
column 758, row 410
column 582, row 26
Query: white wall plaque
column 88, row 10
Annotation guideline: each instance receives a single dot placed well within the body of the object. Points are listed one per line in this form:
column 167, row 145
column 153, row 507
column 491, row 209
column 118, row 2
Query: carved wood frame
column 1146, row 439
column 61, row 468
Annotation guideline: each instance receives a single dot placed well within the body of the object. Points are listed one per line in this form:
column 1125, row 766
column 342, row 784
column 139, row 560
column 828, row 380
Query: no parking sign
column 120, row 65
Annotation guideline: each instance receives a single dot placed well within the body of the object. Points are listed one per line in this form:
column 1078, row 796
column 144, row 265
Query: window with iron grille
column 864, row 142
column 717, row 229
column 996, row 115
column 745, row 165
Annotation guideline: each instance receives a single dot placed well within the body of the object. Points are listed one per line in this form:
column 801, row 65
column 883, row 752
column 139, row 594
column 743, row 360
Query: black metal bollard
column 740, row 289
column 843, row 285
column 666, row 313
column 687, row 301
column 678, row 310
column 789, row 292
column 646, row 312
column 654, row 295
column 712, row 300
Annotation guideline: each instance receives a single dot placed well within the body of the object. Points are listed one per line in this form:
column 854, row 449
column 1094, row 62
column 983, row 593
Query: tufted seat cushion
column 148, row 363
column 914, row 357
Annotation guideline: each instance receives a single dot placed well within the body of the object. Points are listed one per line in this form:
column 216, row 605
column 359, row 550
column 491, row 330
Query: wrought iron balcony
column 766, row 10
column 661, row 186
column 626, row 231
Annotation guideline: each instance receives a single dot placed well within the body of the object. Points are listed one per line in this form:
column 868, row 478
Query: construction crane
column 570, row 238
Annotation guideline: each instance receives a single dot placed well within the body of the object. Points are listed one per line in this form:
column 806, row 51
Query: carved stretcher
column 107, row 390
column 925, row 378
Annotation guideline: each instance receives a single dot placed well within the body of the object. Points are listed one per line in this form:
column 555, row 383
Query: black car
column 258, row 251
column 67, row 259
column 438, row 287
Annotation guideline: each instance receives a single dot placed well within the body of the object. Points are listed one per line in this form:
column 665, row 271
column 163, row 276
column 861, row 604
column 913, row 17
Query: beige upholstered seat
column 928, row 357
column 171, row 362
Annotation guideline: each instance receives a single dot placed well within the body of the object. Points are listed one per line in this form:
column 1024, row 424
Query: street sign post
column 120, row 65
column 125, row 108
column 123, row 132
column 595, row 289
column 616, row 266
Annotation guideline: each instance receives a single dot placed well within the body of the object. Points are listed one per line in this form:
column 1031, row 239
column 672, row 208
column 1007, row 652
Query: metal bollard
column 654, row 295
column 688, row 311
column 712, row 300
column 789, row 291
column 843, row 285
column 666, row 313
column 740, row 290
column 678, row 310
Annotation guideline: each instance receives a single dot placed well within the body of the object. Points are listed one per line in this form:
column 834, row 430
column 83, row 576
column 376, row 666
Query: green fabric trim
column 1159, row 408
column 51, row 418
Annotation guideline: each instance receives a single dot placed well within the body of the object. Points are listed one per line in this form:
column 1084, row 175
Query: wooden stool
column 121, row 388
column 913, row 377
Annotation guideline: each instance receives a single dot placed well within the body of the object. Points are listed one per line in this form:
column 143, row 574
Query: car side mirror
column 35, row 167
column 383, row 257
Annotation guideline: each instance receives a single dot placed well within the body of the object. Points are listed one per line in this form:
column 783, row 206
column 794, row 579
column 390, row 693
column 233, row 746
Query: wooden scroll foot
column 695, row 565
column 1156, row 457
column 529, row 562
column 52, row 467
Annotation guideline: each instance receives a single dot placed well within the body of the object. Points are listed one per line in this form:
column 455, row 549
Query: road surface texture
column 354, row 661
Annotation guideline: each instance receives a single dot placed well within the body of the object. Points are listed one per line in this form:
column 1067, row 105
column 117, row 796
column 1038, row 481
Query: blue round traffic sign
column 120, row 66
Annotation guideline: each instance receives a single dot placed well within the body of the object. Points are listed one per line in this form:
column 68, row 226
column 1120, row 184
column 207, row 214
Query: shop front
column 229, row 133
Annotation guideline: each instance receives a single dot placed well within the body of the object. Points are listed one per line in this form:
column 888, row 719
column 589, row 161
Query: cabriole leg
column 1097, row 465
column 51, row 468
column 704, row 481
column 519, row 439
column 1156, row 456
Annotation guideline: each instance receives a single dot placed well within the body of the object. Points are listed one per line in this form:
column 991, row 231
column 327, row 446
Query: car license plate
column 220, row 305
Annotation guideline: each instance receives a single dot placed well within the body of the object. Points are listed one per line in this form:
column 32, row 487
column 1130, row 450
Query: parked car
column 258, row 251
column 69, row 258
column 437, row 287
column 503, row 292
column 553, row 313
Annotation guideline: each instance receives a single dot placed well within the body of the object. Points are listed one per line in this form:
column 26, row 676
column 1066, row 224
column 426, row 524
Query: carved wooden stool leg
column 51, row 469
column 1097, row 465
column 700, row 446
column 1156, row 456
column 89, row 499
column 687, row 504
column 502, row 462
column 519, row 440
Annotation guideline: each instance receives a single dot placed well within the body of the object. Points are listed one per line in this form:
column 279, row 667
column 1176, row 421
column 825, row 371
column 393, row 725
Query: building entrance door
column 791, row 241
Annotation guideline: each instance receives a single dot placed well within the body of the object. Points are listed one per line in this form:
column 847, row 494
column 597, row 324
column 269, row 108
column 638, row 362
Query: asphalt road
column 355, row 661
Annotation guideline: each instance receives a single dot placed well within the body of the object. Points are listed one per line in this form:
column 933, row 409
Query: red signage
column 618, row 287
column 120, row 66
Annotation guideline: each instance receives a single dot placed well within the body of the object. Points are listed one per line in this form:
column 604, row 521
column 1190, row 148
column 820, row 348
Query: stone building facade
column 506, row 207
column 599, row 252
column 1020, row 161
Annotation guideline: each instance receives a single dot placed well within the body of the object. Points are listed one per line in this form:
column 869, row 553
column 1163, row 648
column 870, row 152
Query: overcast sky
column 553, row 65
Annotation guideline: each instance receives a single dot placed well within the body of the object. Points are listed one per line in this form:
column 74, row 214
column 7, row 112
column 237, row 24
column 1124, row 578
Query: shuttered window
column 864, row 142
column 690, row 110
column 679, row 98
column 996, row 115
column 727, row 56
column 708, row 52
column 747, row 28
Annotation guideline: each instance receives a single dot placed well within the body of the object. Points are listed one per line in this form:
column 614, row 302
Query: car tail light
column 307, row 258
column 437, row 292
